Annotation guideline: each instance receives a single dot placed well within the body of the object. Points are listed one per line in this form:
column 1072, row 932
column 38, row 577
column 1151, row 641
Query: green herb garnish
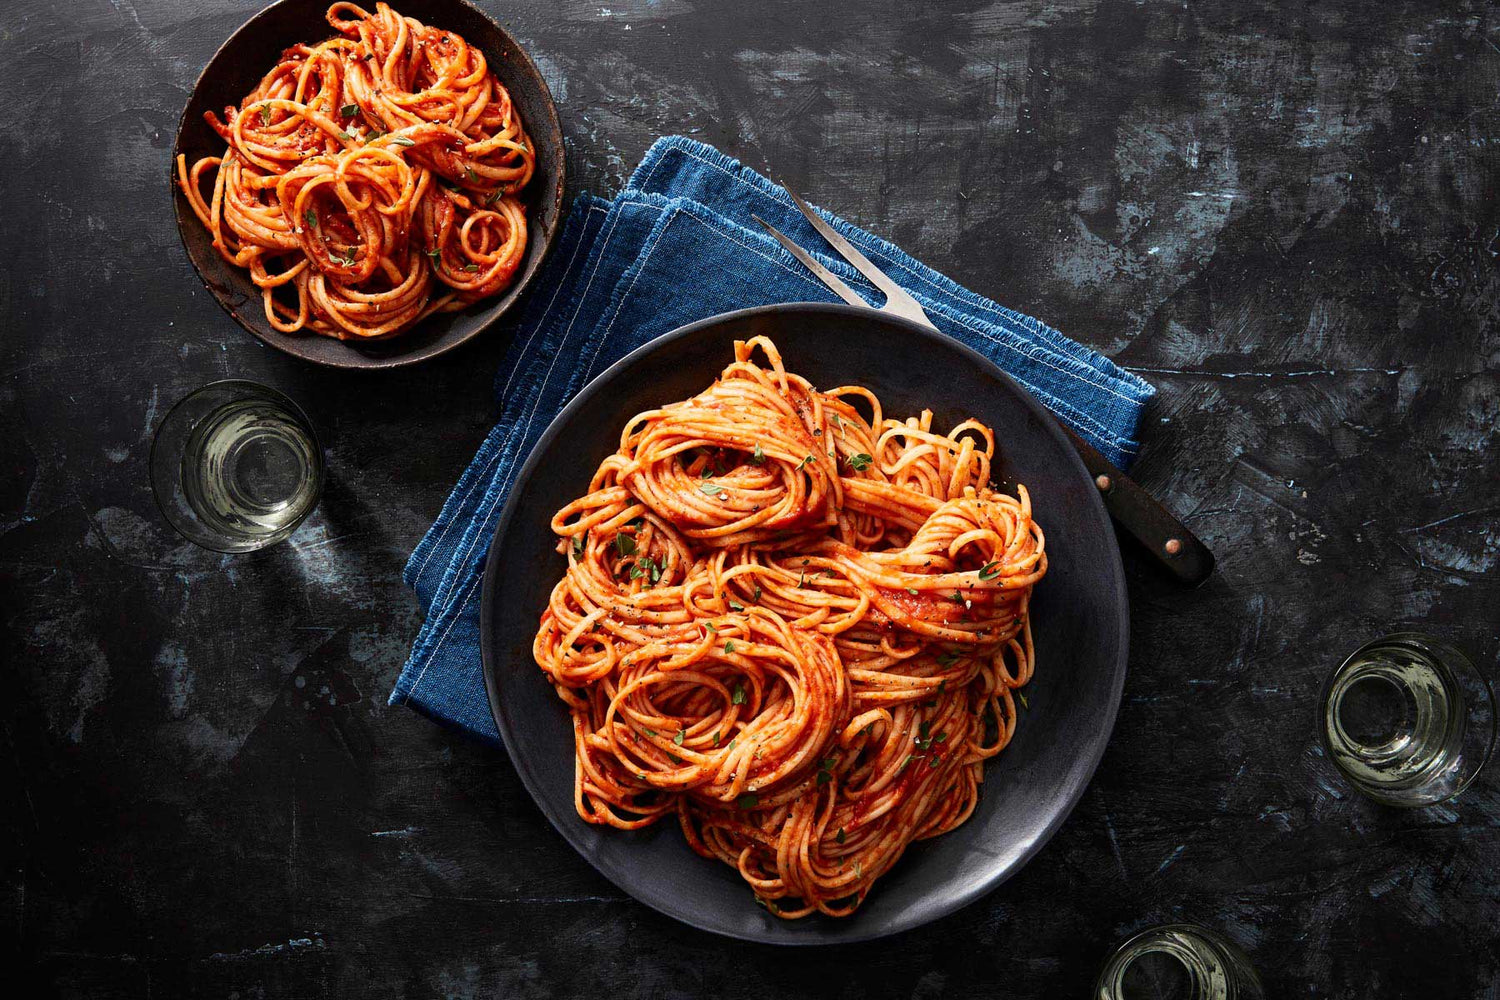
column 729, row 646
column 265, row 114
column 860, row 462
column 579, row 541
column 805, row 462
column 679, row 737
column 402, row 140
column 990, row 571
column 646, row 567
column 748, row 801
column 471, row 267
column 625, row 544
column 349, row 111
column 310, row 219
column 737, row 697
column 712, row 489
column 736, row 606
column 758, row 457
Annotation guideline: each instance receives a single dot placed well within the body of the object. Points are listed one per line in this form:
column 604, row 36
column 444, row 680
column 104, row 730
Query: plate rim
column 1098, row 741
column 184, row 216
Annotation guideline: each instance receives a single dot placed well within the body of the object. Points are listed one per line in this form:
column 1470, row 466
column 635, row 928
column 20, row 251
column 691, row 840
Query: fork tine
column 848, row 251
column 824, row 275
column 897, row 300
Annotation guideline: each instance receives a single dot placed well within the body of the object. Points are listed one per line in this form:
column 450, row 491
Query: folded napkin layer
column 678, row 245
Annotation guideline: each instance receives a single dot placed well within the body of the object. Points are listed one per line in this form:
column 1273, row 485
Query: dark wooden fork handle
column 1166, row 539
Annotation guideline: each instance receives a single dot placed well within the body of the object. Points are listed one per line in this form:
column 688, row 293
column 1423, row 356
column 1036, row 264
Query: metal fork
column 1165, row 538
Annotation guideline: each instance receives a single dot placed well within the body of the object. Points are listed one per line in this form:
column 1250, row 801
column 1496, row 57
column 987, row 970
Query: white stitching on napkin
column 432, row 654
column 661, row 226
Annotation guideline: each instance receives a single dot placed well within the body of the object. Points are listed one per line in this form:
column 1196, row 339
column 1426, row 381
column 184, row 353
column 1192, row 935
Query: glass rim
column 1227, row 950
column 276, row 395
column 1463, row 665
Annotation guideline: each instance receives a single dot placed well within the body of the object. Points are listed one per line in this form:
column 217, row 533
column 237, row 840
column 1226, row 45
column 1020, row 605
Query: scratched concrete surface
column 1284, row 215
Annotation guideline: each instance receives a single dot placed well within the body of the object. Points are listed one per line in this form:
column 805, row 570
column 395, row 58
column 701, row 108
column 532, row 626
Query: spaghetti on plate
column 794, row 623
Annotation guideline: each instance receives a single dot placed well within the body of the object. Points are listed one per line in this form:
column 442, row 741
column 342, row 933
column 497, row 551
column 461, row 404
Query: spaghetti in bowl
column 368, row 187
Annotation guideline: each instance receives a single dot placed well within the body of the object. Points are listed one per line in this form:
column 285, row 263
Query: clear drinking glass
column 236, row 466
column 1408, row 719
column 1179, row 962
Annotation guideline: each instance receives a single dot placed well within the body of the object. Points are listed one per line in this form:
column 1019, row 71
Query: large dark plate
column 1079, row 617
column 235, row 70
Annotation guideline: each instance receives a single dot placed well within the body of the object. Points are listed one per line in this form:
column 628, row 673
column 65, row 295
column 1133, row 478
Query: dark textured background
column 1283, row 215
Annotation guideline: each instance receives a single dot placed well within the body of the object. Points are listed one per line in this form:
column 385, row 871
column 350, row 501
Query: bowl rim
column 1094, row 743
column 288, row 343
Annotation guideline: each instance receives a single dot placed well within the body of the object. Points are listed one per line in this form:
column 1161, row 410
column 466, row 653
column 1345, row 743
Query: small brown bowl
column 235, row 70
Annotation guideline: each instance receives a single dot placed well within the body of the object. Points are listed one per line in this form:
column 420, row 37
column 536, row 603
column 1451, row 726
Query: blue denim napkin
column 677, row 245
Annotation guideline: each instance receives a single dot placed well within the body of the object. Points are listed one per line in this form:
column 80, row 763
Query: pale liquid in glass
column 1178, row 962
column 250, row 470
column 1394, row 720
